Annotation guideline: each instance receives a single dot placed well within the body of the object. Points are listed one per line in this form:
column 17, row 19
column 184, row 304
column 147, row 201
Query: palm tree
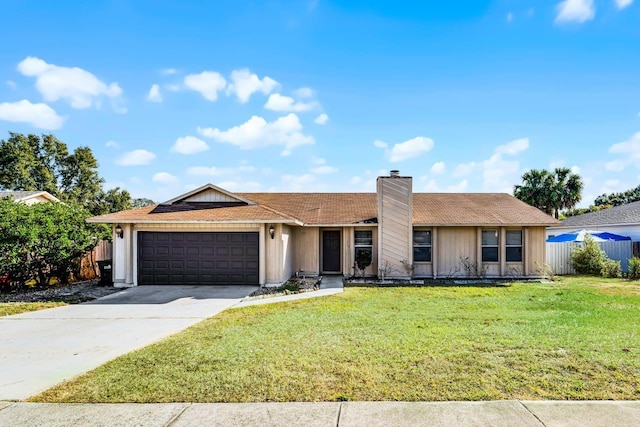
column 550, row 192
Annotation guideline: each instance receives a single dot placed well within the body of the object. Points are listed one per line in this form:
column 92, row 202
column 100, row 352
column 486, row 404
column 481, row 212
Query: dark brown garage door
column 197, row 258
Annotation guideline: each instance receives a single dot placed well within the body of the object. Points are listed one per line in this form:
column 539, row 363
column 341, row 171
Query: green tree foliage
column 634, row 268
column 617, row 199
column 588, row 259
column 45, row 240
column 142, row 202
column 580, row 211
column 31, row 162
column 550, row 191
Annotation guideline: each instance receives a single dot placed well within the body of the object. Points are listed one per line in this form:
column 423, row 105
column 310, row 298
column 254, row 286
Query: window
column 514, row 245
column 490, row 246
column 363, row 242
column 421, row 245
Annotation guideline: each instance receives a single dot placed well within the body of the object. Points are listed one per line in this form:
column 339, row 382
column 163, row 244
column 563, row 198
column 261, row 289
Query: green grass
column 9, row 308
column 574, row 339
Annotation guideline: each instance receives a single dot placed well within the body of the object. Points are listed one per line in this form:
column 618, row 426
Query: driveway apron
column 43, row 348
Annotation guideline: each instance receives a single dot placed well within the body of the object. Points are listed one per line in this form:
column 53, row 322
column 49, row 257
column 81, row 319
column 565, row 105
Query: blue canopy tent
column 579, row 235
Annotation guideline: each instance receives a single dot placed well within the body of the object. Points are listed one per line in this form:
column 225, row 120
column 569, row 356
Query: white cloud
column 168, row 71
column 136, row 158
column 575, row 169
column 459, row 187
column 509, row 17
column 301, row 183
column 244, row 84
column 321, row 119
column 277, row 102
column 355, row 180
column 615, row 165
column 575, row 11
column 410, row 149
column 499, row 173
column 513, row 147
column 215, row 171
column 318, row 161
column 249, row 186
column 324, row 170
column 112, row 144
column 189, row 145
column 464, row 169
column 438, row 168
column 11, row 84
column 39, row 115
column 257, row 133
column 79, row 87
column 154, row 94
column 623, row 3
column 380, row 144
column 208, row 83
column 172, row 88
column 165, row 178
column 304, row 92
column 630, row 147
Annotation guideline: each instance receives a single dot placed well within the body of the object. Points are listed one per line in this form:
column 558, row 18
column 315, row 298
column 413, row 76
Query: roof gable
column 208, row 193
column 23, row 196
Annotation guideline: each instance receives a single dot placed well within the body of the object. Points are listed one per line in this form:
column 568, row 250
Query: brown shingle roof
column 235, row 214
column 351, row 208
column 476, row 209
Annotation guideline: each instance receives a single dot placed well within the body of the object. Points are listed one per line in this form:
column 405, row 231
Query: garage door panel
column 194, row 258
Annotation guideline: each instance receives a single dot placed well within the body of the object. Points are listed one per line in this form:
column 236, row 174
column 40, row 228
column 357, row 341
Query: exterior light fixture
column 119, row 231
column 272, row 231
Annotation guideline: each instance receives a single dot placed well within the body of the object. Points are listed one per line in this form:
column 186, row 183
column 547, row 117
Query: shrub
column 589, row 258
column 634, row 268
column 611, row 269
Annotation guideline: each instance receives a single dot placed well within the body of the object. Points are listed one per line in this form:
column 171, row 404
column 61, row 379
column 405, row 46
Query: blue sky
column 321, row 95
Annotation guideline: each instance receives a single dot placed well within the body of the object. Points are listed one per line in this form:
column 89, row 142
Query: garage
column 198, row 258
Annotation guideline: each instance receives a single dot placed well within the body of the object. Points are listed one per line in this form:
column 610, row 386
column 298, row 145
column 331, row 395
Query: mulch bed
column 74, row 293
column 292, row 286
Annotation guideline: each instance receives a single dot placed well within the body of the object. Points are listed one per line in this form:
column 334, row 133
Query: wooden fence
column 558, row 254
column 89, row 265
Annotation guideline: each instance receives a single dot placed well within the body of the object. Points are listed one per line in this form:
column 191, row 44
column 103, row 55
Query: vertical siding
column 559, row 254
column 535, row 250
column 453, row 243
column 395, row 206
column 306, row 256
column 211, row 196
column 287, row 252
column 348, row 250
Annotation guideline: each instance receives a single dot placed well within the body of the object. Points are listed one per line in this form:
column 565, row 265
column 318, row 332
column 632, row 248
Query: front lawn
column 9, row 308
column 574, row 339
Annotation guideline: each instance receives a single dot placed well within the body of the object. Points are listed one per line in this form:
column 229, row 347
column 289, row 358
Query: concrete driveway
column 43, row 348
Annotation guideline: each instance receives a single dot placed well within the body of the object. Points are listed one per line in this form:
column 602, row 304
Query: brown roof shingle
column 464, row 209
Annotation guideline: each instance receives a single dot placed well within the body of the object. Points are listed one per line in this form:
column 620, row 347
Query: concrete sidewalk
column 371, row 414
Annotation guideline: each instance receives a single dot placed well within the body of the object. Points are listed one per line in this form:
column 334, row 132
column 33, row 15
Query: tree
column 550, row 191
column 44, row 240
column 142, row 202
column 617, row 199
column 31, row 162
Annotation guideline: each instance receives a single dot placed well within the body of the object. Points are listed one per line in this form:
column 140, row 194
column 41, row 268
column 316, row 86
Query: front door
column 331, row 251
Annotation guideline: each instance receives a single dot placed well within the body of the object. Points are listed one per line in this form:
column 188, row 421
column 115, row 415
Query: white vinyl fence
column 558, row 254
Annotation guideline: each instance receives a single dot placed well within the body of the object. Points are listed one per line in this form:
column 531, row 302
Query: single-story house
column 623, row 220
column 29, row 197
column 213, row 236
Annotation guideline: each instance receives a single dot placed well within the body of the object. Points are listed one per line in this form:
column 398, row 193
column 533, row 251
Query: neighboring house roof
column 618, row 215
column 26, row 195
column 351, row 208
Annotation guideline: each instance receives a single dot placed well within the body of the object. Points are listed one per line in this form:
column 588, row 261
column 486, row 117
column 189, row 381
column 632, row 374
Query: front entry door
column 331, row 251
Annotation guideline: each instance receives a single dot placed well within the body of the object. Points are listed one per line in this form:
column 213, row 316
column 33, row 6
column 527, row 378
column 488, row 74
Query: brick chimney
column 395, row 224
